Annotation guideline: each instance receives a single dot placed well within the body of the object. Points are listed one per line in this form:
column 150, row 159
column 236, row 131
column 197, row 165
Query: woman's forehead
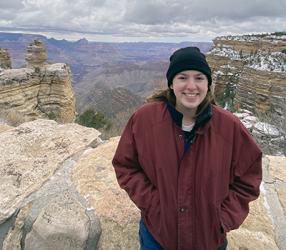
column 191, row 72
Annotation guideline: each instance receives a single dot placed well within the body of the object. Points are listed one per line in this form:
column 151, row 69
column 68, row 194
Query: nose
column 191, row 83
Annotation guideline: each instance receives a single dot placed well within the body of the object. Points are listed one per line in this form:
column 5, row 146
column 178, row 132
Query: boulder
column 39, row 207
column 94, row 178
column 62, row 223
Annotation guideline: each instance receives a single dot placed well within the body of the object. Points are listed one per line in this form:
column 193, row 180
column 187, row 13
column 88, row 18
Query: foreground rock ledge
column 59, row 191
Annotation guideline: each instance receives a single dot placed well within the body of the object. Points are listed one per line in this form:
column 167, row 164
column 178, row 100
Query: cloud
column 152, row 12
column 181, row 19
column 11, row 4
column 157, row 11
column 235, row 10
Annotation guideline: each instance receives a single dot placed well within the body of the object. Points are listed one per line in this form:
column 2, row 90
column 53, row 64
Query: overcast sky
column 143, row 20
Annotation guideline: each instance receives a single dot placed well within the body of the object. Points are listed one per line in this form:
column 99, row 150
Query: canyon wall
column 253, row 69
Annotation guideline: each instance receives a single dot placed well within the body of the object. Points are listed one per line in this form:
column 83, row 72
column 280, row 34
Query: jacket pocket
column 221, row 234
column 152, row 214
column 217, row 220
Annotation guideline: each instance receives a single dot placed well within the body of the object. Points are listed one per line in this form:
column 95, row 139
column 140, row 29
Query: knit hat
column 187, row 59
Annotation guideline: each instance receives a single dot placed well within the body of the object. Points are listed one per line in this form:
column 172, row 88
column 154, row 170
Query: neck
column 188, row 115
column 187, row 120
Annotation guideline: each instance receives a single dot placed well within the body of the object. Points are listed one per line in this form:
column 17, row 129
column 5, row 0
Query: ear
column 171, row 86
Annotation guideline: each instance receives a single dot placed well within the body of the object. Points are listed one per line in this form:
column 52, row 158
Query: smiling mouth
column 191, row 94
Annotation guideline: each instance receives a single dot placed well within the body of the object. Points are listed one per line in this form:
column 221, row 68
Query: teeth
column 190, row 94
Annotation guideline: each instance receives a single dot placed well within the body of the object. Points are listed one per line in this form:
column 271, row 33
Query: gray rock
column 39, row 206
column 61, row 224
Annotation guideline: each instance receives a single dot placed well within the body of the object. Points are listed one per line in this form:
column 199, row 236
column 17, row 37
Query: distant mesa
column 39, row 90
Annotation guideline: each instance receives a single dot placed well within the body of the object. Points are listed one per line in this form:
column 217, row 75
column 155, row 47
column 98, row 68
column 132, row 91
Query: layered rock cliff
column 252, row 69
column 39, row 91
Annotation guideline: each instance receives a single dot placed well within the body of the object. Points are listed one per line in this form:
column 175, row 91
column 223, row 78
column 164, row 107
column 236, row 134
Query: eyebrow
column 196, row 74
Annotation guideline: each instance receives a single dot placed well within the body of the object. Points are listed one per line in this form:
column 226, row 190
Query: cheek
column 177, row 89
column 204, row 88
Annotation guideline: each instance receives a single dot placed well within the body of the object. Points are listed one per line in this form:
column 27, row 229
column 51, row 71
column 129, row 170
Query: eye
column 181, row 77
column 200, row 78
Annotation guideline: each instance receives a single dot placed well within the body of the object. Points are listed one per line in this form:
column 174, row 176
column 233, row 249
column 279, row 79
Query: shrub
column 225, row 99
column 52, row 116
column 92, row 119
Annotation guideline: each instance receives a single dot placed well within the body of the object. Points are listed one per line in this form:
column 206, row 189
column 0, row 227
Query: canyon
column 58, row 185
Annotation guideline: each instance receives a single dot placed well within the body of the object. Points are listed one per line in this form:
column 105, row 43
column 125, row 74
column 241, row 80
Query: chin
column 191, row 106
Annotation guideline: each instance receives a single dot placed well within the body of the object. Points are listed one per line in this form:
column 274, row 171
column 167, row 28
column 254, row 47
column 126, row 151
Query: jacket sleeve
column 130, row 174
column 246, row 178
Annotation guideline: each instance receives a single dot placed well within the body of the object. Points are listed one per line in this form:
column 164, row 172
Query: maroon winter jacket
column 185, row 198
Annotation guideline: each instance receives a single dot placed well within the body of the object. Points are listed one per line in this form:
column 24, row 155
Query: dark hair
column 167, row 95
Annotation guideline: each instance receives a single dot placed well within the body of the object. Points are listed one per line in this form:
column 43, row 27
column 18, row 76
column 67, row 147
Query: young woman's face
column 190, row 88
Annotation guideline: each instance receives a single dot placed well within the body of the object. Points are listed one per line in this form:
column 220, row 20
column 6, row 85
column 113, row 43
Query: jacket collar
column 201, row 120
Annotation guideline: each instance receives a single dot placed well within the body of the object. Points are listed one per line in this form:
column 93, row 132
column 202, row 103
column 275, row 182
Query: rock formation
column 39, row 207
column 59, row 191
column 5, row 61
column 36, row 54
column 38, row 91
column 253, row 69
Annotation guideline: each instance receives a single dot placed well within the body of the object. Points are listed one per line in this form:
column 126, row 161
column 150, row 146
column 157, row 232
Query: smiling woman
column 180, row 161
column 190, row 88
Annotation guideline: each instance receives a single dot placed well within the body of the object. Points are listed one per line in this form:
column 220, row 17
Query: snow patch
column 226, row 52
column 265, row 201
column 274, row 61
column 267, row 129
column 251, row 38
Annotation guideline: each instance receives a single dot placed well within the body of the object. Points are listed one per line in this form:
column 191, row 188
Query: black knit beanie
column 187, row 59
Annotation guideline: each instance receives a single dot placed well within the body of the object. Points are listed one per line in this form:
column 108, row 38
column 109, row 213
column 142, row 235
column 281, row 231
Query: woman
column 190, row 166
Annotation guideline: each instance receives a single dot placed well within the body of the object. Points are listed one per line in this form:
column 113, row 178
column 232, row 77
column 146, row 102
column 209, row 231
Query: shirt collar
column 200, row 121
column 176, row 115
